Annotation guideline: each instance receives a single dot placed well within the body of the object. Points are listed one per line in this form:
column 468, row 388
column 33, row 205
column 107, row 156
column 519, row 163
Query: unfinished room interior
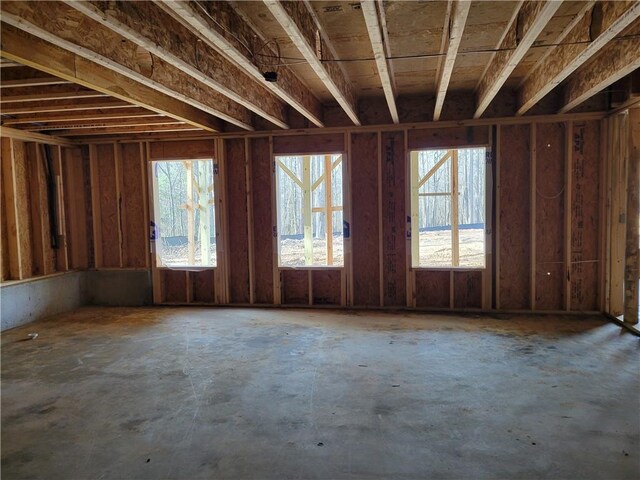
column 372, row 239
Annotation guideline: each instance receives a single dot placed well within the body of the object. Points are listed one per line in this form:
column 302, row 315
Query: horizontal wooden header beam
column 17, row 134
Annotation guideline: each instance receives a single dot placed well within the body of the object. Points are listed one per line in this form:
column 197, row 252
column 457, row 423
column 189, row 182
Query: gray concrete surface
column 25, row 302
column 154, row 393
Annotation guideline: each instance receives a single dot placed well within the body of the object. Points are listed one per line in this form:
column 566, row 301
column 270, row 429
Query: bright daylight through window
column 184, row 211
column 309, row 198
column 448, row 208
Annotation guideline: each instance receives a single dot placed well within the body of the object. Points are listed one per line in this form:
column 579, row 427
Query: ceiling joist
column 220, row 26
column 529, row 22
column 305, row 33
column 607, row 20
column 370, row 13
column 76, row 132
column 86, row 38
column 41, row 94
column 459, row 13
column 102, row 114
column 32, row 82
column 615, row 61
column 148, row 26
column 42, row 55
column 124, row 122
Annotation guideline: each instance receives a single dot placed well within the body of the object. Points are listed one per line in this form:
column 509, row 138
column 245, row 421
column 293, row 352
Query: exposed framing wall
column 545, row 246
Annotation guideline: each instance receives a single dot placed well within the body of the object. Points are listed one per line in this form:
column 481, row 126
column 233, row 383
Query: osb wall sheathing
column 546, row 237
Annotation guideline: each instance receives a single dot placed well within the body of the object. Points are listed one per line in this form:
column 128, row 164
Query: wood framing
column 33, row 82
column 52, row 59
column 55, row 118
column 460, row 11
column 43, row 94
column 531, row 19
column 57, row 106
column 632, row 256
column 302, row 28
column 144, row 24
column 616, row 60
column 220, row 26
column 610, row 18
column 115, row 54
column 369, row 10
column 18, row 134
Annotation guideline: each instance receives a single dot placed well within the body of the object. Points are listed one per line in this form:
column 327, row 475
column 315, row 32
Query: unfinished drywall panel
column 174, row 286
column 423, row 138
column 203, row 286
column 432, row 288
column 514, row 217
column 182, row 150
column 549, row 196
column 585, row 216
column 365, row 225
column 237, row 234
column 394, row 271
column 467, row 289
column 326, row 287
column 321, row 143
column 76, row 199
column 295, row 286
column 106, row 216
column 132, row 197
column 260, row 159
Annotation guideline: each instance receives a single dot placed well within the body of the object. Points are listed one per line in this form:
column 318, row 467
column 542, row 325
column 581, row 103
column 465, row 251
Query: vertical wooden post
column 190, row 214
column 249, row 193
column 632, row 258
column 455, row 220
column 328, row 205
column 10, row 197
column 205, row 220
column 117, row 160
column 95, row 206
column 155, row 244
column 415, row 213
column 532, row 218
column 496, row 254
column 568, row 194
column 306, row 207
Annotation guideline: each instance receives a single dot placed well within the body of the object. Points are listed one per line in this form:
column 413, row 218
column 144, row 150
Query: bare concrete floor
column 271, row 394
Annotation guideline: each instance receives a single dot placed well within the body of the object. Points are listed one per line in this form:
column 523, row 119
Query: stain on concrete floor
column 275, row 394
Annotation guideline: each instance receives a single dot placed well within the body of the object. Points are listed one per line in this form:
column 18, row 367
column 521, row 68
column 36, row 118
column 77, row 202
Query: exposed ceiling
column 135, row 67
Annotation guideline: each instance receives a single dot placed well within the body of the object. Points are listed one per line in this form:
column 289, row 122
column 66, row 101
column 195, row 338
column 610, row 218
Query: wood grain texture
column 174, row 286
column 108, row 205
column 585, row 221
column 321, row 143
column 37, row 194
column 262, row 224
column 514, row 217
column 326, row 287
column 203, row 286
column 135, row 230
column 467, row 289
column 549, row 221
column 393, row 219
column 4, row 241
column 237, row 221
column 75, row 200
column 23, row 206
column 432, row 288
column 182, row 149
column 295, row 287
column 365, row 227
column 423, row 138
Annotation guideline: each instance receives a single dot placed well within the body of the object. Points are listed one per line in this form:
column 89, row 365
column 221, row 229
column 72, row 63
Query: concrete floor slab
column 153, row 393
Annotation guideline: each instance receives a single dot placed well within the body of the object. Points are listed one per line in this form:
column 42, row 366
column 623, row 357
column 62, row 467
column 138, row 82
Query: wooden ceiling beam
column 221, row 27
column 102, row 114
column 64, row 106
column 369, row 10
column 305, row 33
column 33, row 82
column 47, row 93
column 87, row 39
column 18, row 134
column 529, row 22
column 615, row 61
column 122, row 122
column 42, row 55
column 148, row 26
column 459, row 13
column 76, row 132
column 607, row 20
